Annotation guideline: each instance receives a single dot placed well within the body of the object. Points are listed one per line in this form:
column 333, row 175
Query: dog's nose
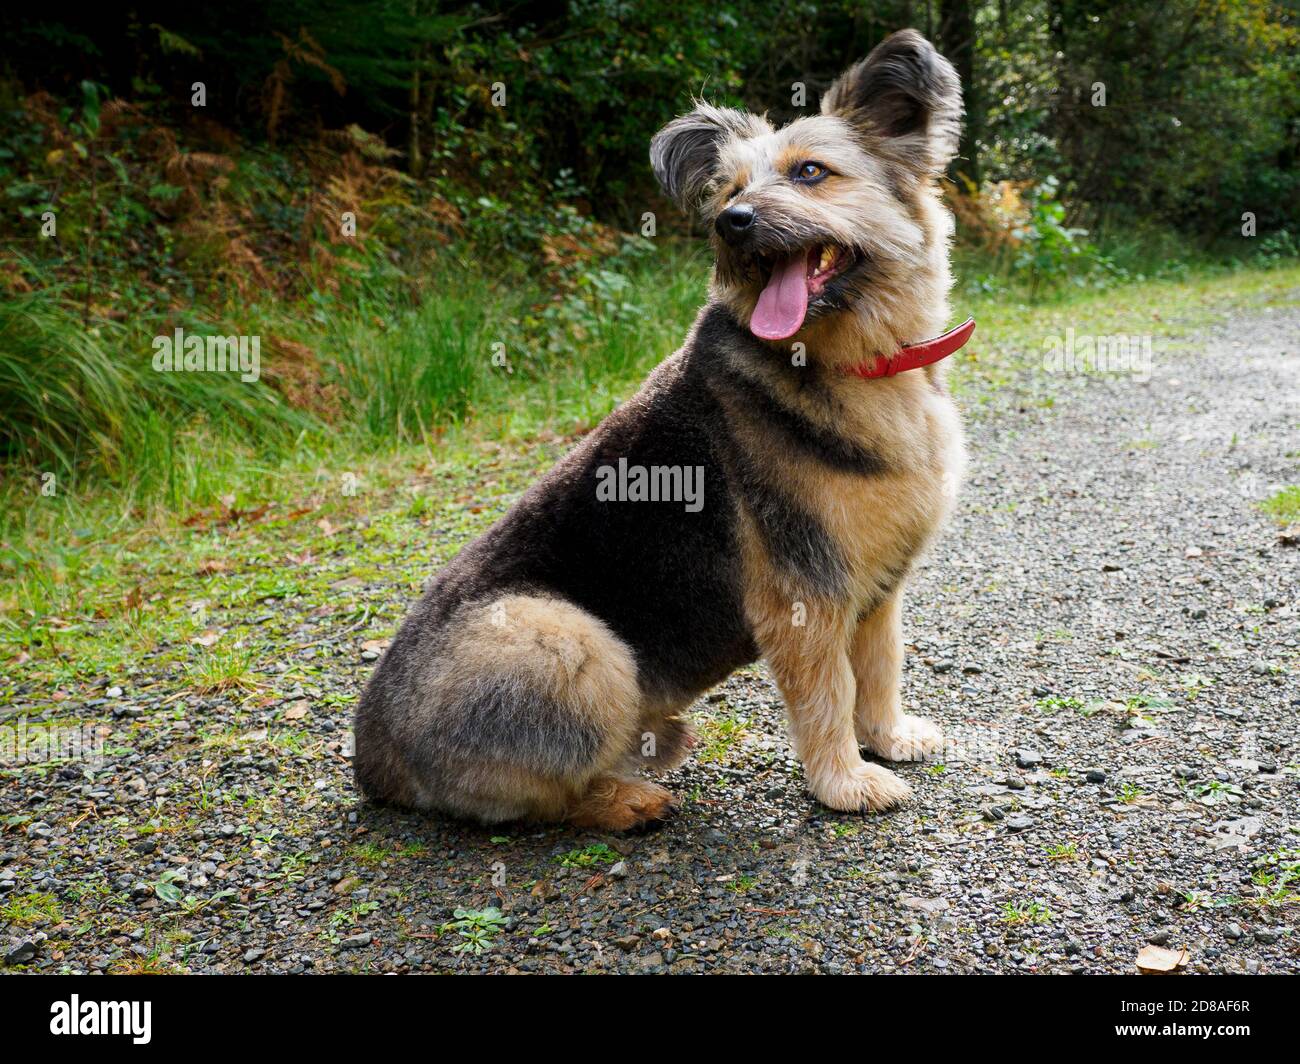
column 734, row 224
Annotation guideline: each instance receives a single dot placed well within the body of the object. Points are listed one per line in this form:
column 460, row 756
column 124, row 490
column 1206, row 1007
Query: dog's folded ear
column 906, row 96
column 684, row 154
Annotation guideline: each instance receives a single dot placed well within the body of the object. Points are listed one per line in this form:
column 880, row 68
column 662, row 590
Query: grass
column 169, row 537
column 588, row 857
column 85, row 407
column 1277, row 878
column 229, row 670
column 717, row 737
column 152, row 964
column 1052, row 704
column 369, row 854
column 1022, row 913
column 1284, row 506
column 1193, row 684
column 27, row 910
column 1130, row 794
column 351, row 916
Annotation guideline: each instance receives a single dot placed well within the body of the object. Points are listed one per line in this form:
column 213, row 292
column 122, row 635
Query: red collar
column 914, row 356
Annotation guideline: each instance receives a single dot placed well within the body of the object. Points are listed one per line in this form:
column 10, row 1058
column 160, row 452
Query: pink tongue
column 784, row 302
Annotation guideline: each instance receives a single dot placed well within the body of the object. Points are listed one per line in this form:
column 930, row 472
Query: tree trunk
column 957, row 42
column 414, row 163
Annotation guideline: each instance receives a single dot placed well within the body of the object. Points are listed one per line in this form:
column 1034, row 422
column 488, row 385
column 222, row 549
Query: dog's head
column 831, row 213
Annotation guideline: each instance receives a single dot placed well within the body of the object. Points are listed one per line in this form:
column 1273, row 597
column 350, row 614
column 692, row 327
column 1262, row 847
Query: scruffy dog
column 551, row 661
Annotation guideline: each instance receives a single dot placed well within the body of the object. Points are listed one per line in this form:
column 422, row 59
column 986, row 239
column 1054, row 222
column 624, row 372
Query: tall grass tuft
column 63, row 392
column 84, row 402
column 407, row 371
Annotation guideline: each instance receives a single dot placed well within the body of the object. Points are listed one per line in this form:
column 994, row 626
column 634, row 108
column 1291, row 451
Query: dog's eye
column 810, row 172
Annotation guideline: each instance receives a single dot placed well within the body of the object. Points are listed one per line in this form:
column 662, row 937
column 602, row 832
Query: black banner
column 142, row 1014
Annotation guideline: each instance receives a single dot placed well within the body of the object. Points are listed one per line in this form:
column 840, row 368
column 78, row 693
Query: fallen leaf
column 1156, row 960
column 929, row 906
column 214, row 565
column 207, row 639
column 377, row 645
column 296, row 710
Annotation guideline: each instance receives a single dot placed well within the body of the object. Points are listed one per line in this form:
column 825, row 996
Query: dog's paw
column 865, row 788
column 910, row 739
column 623, row 804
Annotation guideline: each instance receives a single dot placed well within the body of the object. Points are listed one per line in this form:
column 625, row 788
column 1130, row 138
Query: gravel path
column 1107, row 633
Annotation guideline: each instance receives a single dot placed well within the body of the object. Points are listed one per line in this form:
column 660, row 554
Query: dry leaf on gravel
column 1156, row 960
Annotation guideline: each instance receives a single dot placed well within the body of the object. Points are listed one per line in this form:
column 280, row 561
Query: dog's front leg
column 811, row 667
column 877, row 658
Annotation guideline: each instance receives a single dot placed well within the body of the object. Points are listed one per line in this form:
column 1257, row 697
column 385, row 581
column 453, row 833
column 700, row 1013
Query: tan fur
column 840, row 677
column 878, row 522
column 618, row 804
column 551, row 646
column 810, row 664
column 665, row 738
column 908, row 241
column 835, row 653
column 878, row 720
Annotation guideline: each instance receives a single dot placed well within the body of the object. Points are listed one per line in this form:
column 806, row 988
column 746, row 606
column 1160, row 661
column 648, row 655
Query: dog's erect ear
column 906, row 94
column 685, row 152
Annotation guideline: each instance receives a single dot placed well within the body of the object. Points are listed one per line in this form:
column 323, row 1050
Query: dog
column 552, row 661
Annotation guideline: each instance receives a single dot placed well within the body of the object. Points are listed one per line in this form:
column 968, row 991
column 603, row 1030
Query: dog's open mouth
column 795, row 281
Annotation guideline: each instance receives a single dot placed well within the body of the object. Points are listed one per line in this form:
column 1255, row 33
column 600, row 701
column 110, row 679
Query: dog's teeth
column 828, row 256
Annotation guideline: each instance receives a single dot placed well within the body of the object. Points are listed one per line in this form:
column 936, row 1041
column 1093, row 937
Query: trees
column 956, row 40
column 1184, row 110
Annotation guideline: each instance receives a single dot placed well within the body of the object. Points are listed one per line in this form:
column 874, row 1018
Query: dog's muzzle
column 736, row 224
